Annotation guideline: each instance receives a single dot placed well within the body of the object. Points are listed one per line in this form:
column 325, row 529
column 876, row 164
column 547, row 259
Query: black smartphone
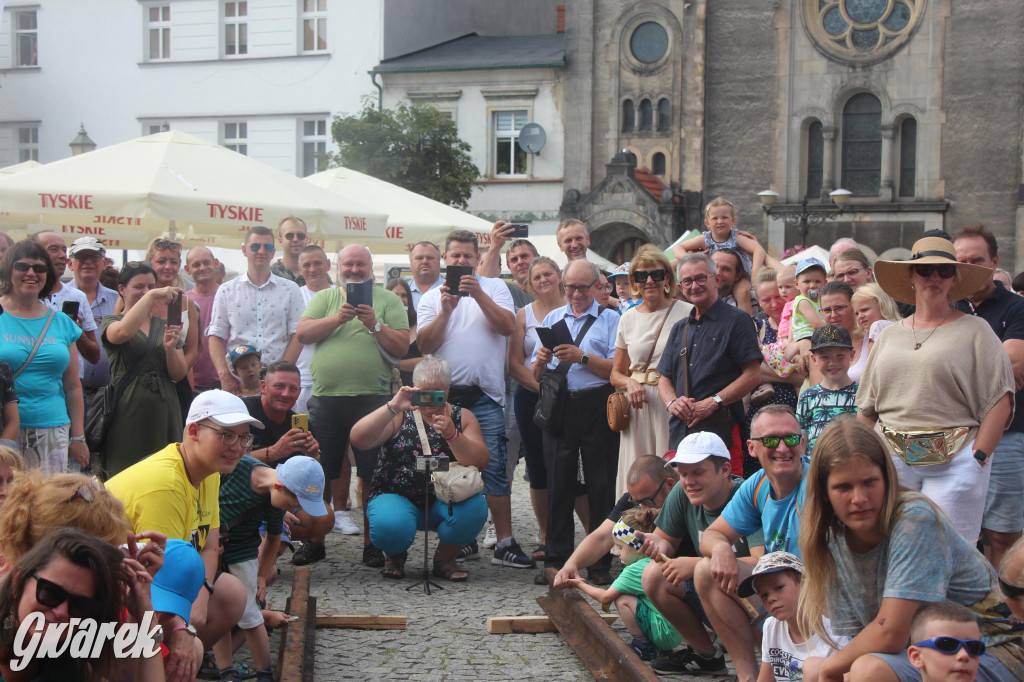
column 453, row 275
column 70, row 308
column 174, row 311
column 359, row 293
column 428, row 398
column 519, row 231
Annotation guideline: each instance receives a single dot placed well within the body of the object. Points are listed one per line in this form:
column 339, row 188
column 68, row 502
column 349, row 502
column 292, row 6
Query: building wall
column 93, row 68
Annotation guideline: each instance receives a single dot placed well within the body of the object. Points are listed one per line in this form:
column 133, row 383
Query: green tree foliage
column 415, row 147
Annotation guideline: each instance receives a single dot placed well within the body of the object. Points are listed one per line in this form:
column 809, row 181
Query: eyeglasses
column 640, row 276
column 256, row 246
column 165, row 244
column 945, row 271
column 699, row 280
column 88, row 256
column 951, row 645
column 231, row 438
column 1011, row 591
column 51, row 595
column 772, row 442
column 301, row 236
column 572, row 288
column 848, row 273
column 836, row 309
column 650, row 501
column 38, row 268
column 87, row 491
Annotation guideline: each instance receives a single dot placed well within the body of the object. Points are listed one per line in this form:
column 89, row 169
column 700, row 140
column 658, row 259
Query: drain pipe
column 380, row 90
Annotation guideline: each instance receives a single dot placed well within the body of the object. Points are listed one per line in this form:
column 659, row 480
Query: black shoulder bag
column 101, row 412
column 554, row 390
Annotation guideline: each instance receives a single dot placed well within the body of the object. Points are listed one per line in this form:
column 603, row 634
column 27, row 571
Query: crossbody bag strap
column 657, row 336
column 422, row 429
column 35, row 348
column 686, row 361
column 137, row 367
column 564, row 367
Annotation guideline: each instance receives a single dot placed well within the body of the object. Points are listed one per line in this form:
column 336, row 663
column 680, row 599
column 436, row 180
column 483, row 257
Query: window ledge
column 233, row 59
column 856, row 205
column 514, row 180
column 16, row 69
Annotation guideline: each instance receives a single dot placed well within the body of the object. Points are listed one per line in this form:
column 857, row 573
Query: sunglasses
column 269, row 248
column 640, row 276
column 945, row 271
column 771, row 442
column 164, row 244
column 951, row 645
column 650, row 501
column 87, row 491
column 51, row 595
column 295, row 235
column 38, row 268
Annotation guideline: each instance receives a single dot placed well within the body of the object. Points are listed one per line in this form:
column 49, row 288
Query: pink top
column 787, row 315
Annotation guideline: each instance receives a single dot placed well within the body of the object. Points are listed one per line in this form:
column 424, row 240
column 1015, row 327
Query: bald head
column 55, row 247
column 355, row 264
column 202, row 266
column 1011, row 572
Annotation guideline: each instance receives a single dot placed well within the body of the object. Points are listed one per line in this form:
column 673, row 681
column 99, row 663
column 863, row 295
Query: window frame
column 240, row 23
column 239, row 141
column 317, row 139
column 847, row 143
column 18, row 33
column 497, row 137
column 162, row 27
column 314, row 17
column 28, row 151
column 906, row 173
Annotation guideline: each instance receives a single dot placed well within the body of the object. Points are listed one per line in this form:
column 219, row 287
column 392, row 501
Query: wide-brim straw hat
column 894, row 275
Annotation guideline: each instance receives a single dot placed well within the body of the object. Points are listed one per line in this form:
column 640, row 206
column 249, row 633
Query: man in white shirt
column 470, row 332
column 87, row 258
column 314, row 266
column 55, row 247
column 258, row 309
column 425, row 262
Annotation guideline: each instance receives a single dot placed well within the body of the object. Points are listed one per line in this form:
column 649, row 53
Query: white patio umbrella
column 411, row 217
column 174, row 184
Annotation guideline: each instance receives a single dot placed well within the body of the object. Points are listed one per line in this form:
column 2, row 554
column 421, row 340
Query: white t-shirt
column 305, row 378
column 476, row 352
column 787, row 657
column 66, row 293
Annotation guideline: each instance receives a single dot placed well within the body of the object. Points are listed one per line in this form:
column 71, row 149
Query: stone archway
column 618, row 241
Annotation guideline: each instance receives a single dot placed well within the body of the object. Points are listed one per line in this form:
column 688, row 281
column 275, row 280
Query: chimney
column 560, row 21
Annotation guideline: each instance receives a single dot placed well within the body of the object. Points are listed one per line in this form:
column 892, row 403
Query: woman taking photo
column 939, row 383
column 643, row 332
column 395, row 507
column 141, row 423
column 38, row 348
column 408, row 363
column 874, row 552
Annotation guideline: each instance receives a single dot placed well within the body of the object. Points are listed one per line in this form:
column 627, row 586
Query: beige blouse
column 637, row 333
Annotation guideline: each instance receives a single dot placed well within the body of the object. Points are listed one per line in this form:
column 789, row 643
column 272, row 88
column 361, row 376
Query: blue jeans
column 492, row 424
column 394, row 521
column 1004, row 506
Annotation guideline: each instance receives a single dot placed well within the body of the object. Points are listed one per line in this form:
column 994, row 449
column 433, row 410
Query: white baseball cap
column 697, row 447
column 221, row 407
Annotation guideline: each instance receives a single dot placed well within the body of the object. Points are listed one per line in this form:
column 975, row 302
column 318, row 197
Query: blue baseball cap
column 244, row 350
column 304, row 477
column 808, row 263
column 620, row 271
column 176, row 585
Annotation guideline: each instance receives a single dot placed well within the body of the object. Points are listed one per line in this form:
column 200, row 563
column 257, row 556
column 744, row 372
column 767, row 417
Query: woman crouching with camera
column 395, row 509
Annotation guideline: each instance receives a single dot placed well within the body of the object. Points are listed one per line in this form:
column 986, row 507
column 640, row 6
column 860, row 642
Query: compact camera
column 428, row 398
column 432, row 464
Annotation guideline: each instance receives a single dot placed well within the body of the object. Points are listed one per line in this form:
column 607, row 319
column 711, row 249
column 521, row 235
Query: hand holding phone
column 70, row 308
column 174, row 311
column 453, row 276
column 519, row 231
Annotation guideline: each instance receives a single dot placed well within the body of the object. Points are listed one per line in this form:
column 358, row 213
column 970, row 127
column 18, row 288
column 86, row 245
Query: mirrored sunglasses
column 770, row 442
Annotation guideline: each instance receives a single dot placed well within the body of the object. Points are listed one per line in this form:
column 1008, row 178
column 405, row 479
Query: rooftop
column 474, row 52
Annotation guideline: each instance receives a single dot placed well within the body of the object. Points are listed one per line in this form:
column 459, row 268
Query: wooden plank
column 504, row 625
column 295, row 662
column 355, row 622
column 591, row 639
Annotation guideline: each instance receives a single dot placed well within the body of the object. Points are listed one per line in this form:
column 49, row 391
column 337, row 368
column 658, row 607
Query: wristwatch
column 981, row 456
column 585, row 359
column 187, row 627
column 717, row 399
column 376, row 329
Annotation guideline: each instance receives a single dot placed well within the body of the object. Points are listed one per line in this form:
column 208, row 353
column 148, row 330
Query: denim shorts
column 492, row 423
column 1004, row 506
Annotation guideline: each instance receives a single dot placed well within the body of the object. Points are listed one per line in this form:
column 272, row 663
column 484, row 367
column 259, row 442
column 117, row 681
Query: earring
column 635, row 290
column 668, row 288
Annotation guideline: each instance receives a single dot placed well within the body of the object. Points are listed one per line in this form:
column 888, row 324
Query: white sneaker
column 490, row 537
column 343, row 524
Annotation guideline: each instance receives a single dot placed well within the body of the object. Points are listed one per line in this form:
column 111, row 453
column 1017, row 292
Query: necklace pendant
column 917, row 346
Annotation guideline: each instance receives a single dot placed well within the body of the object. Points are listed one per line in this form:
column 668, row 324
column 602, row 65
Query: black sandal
column 450, row 570
column 394, row 566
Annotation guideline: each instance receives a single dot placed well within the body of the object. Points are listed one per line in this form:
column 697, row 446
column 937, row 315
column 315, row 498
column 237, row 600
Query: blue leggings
column 394, row 521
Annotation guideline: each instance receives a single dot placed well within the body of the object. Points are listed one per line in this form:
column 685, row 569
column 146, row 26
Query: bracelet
column 453, row 438
column 77, row 439
column 391, row 409
column 668, row 405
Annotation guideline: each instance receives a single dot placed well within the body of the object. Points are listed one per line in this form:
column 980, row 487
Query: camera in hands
column 432, row 463
column 428, row 398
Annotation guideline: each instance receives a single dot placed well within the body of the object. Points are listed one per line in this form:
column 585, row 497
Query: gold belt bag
column 926, row 448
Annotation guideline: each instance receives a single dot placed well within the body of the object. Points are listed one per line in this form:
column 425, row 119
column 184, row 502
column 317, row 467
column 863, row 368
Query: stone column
column 828, row 160
column 885, row 190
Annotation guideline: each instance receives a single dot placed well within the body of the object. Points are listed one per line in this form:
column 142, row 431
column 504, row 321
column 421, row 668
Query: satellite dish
column 532, row 138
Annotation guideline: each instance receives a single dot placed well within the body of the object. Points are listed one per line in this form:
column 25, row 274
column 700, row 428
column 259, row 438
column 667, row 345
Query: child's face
column 283, row 499
column 248, row 369
column 936, row 666
column 866, row 312
column 6, row 476
column 622, row 288
column 720, row 219
column 779, row 592
column 787, row 287
column 810, row 279
column 833, row 363
column 627, row 555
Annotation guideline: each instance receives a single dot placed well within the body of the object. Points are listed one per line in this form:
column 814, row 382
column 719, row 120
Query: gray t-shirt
column 923, row 558
column 679, row 519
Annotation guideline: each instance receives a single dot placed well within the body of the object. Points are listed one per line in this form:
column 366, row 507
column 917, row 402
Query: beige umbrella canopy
column 411, row 217
column 174, row 184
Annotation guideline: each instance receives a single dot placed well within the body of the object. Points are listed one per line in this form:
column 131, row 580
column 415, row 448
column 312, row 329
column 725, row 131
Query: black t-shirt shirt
column 626, row 502
column 272, row 432
column 1004, row 312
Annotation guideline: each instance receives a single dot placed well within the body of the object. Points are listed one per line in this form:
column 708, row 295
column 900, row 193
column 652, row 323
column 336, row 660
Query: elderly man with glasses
column 583, row 432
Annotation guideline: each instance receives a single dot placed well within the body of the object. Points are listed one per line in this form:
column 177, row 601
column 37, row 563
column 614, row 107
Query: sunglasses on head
column 51, row 595
column 945, row 271
column 38, row 268
column 640, row 276
column 269, row 248
column 951, row 645
column 295, row 235
column 1010, row 591
column 164, row 244
column 790, row 439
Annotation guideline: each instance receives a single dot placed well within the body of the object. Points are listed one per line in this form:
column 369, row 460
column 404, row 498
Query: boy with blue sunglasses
column 948, row 643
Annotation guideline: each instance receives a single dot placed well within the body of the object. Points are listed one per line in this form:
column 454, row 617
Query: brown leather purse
column 617, row 407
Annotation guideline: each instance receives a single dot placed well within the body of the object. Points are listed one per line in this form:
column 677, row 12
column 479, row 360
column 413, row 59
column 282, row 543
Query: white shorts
column 247, row 572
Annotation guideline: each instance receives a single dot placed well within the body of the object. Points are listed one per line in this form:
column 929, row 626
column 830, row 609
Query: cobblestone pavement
column 446, row 636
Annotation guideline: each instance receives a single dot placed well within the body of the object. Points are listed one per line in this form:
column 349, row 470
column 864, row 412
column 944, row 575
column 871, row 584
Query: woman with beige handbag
column 643, row 331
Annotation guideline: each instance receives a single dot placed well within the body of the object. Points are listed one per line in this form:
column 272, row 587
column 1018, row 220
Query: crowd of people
column 818, row 460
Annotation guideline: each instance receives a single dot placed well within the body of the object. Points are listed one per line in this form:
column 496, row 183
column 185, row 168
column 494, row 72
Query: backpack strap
column 759, row 498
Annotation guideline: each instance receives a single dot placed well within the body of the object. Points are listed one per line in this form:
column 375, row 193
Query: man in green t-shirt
column 706, row 485
column 350, row 377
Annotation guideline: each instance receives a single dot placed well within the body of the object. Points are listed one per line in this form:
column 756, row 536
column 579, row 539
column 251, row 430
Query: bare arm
column 191, row 350
column 1015, row 349
column 888, row 633
column 12, row 422
column 430, row 337
column 124, row 329
column 500, row 320
column 691, row 245
column 517, row 354
column 596, row 593
column 76, row 410
column 593, row 547
column 293, row 349
column 756, row 251
column 177, row 367
column 716, row 544
column 490, row 264
column 993, row 424
column 468, row 447
column 812, row 316
column 88, row 346
column 218, row 356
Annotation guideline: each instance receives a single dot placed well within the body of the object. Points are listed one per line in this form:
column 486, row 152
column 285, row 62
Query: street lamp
column 805, row 217
column 82, row 142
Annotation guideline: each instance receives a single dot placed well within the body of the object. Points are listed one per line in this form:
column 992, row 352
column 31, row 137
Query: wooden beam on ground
column 505, row 625
column 591, row 639
column 296, row 659
column 362, row 622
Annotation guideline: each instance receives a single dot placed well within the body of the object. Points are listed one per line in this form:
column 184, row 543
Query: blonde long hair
column 886, row 303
